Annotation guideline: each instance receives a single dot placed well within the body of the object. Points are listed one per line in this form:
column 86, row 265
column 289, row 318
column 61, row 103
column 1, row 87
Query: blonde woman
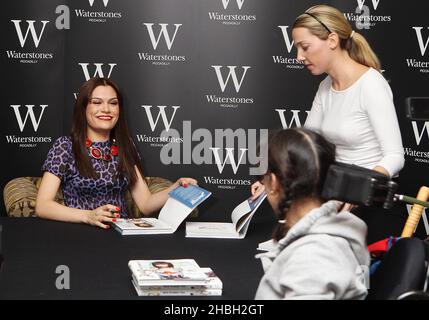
column 353, row 107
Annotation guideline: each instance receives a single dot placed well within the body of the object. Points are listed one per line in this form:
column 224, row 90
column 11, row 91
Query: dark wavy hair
column 300, row 159
column 128, row 156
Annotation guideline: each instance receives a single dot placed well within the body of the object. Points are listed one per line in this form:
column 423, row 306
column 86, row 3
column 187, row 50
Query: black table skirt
column 97, row 259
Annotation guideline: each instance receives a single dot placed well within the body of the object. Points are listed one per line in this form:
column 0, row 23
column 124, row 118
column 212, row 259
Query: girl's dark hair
column 300, row 159
column 128, row 156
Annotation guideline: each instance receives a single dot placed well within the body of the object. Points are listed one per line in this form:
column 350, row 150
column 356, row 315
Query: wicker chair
column 20, row 196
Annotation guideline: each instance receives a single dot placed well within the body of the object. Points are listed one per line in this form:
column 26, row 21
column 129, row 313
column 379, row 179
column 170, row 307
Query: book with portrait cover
column 176, row 272
column 212, row 287
column 179, row 205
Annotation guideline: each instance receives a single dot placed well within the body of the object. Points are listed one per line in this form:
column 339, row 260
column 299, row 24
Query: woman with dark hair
column 320, row 253
column 97, row 163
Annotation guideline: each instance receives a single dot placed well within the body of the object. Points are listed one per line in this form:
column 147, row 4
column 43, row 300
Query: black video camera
column 361, row 186
column 357, row 185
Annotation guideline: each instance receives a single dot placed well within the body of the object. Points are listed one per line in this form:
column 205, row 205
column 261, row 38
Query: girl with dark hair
column 97, row 164
column 320, row 253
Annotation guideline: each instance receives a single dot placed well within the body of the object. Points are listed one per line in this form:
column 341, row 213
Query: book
column 268, row 245
column 212, row 287
column 211, row 282
column 237, row 229
column 176, row 292
column 179, row 205
column 178, row 272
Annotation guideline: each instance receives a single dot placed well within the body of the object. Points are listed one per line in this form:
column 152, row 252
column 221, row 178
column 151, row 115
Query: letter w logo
column 91, row 2
column 98, row 70
column 419, row 135
column 423, row 46
column 30, row 28
column 288, row 43
column 229, row 158
column 226, row 2
column 362, row 2
column 153, row 124
column 30, row 113
column 294, row 122
column 164, row 32
column 232, row 74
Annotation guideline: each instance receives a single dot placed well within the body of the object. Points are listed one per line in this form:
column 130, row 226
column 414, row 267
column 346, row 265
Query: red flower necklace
column 96, row 153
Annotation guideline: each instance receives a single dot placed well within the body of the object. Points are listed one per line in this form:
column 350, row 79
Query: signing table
column 34, row 251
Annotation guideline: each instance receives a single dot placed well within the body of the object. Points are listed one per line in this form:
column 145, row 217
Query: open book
column 240, row 216
column 178, row 206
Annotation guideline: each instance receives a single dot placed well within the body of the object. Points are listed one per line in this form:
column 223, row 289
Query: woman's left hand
column 186, row 182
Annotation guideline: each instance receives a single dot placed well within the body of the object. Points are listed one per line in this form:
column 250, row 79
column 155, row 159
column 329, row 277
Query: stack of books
column 180, row 277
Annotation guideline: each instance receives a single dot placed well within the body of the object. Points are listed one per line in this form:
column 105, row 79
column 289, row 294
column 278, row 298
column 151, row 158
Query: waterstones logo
column 105, row 2
column 28, row 141
column 156, row 33
column 102, row 70
column 421, row 134
column 99, row 16
column 232, row 158
column 226, row 3
column 422, row 37
column 287, row 61
column 291, row 118
column 361, row 4
column 228, row 158
column 423, row 44
column 363, row 18
column 99, row 70
column 165, row 121
column 233, row 19
column 418, row 156
column 29, row 33
column 229, row 150
column 236, row 79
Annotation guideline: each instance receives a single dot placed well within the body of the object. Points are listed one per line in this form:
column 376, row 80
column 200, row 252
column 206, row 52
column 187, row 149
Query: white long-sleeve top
column 361, row 121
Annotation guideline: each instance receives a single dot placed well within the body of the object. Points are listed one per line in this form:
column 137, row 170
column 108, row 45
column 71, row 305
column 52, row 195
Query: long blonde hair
column 320, row 18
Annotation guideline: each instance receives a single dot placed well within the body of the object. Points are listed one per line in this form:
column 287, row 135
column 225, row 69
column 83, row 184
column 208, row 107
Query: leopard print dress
column 82, row 192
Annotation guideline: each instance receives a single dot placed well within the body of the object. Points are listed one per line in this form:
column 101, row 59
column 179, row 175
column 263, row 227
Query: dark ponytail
column 300, row 159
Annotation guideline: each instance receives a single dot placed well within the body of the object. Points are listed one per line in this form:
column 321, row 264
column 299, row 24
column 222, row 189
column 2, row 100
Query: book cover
column 190, row 196
column 167, row 272
column 141, row 226
column 212, row 287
